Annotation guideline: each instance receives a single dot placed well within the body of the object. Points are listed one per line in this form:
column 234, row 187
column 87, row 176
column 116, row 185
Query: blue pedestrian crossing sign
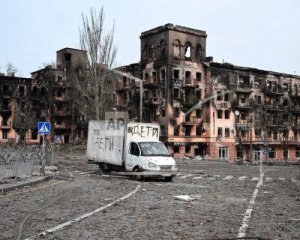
column 266, row 151
column 58, row 138
column 44, row 127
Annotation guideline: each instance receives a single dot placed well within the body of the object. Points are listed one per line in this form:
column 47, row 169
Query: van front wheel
column 136, row 170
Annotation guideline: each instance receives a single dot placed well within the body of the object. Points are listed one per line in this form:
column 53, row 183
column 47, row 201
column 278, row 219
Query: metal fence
column 24, row 161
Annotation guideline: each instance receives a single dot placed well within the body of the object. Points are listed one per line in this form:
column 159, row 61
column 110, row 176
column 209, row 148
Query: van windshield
column 153, row 149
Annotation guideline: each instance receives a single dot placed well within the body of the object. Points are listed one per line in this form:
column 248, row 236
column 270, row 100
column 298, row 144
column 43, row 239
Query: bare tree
column 25, row 117
column 11, row 70
column 92, row 83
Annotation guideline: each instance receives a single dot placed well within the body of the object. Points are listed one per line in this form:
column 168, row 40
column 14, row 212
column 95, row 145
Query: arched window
column 145, row 52
column 163, row 48
column 188, row 50
column 152, row 50
column 176, row 46
column 199, row 52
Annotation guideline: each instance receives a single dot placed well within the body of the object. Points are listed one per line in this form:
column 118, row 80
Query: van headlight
column 174, row 168
column 152, row 165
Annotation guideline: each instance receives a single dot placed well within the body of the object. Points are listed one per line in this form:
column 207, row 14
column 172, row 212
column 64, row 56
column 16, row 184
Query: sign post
column 44, row 128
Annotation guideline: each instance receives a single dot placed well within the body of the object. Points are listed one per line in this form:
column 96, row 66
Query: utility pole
column 141, row 100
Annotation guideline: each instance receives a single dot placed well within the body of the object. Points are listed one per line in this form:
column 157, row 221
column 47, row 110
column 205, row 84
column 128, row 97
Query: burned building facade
column 208, row 109
column 218, row 111
column 46, row 96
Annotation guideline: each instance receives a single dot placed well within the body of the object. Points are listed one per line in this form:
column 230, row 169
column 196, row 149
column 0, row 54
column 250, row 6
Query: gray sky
column 263, row 34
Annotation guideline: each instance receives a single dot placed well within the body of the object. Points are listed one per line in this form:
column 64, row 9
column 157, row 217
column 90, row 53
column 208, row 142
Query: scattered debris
column 185, row 198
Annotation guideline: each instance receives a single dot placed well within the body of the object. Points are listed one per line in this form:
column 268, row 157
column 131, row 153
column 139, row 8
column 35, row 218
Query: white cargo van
column 131, row 147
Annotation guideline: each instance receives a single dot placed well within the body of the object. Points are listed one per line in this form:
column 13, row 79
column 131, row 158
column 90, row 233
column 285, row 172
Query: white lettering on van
column 143, row 131
column 105, row 144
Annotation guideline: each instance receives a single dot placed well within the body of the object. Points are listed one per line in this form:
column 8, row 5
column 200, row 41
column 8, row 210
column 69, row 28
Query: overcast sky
column 264, row 34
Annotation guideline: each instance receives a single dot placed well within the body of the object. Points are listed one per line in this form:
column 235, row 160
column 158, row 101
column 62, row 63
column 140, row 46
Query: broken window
column 227, row 114
column 198, row 94
column 199, row 129
column 146, row 76
column 285, row 87
column 187, row 149
column 176, row 46
column 272, row 152
column 198, row 52
column 219, row 96
column 176, row 130
column 43, row 91
column 59, row 106
column 220, row 114
column 198, row 113
column 188, row 79
column 163, row 48
column 163, row 74
column 258, row 99
column 198, row 76
column 176, row 112
column 188, row 130
column 5, row 134
column 124, row 82
column 226, row 97
column 227, row 132
column 5, row 89
column 154, row 76
column 5, row 105
column 220, row 130
column 176, row 149
column 297, row 152
column 176, row 74
column 257, row 82
column 187, row 51
column 257, row 132
column 21, row 91
column 152, row 50
column 145, row 52
column 176, row 93
column 243, row 99
column 243, row 116
column 59, row 93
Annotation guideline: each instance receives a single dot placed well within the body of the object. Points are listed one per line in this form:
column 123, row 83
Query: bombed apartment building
column 15, row 106
column 208, row 109
column 69, row 124
column 46, row 96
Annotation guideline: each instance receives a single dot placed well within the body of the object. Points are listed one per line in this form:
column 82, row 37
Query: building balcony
column 190, row 83
column 273, row 91
column 189, row 102
column 192, row 121
column 273, row 107
column 296, row 110
column 151, row 83
column 152, row 101
column 244, row 88
column 295, row 93
column 245, row 105
column 176, row 83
